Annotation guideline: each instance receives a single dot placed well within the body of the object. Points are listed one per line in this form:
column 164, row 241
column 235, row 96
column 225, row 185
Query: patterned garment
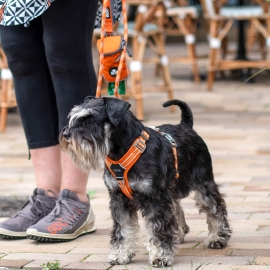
column 15, row 12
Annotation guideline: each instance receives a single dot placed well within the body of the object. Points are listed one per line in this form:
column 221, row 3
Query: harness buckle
column 139, row 144
column 145, row 135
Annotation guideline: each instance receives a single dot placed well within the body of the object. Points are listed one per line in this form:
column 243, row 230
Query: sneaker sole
column 7, row 234
column 46, row 237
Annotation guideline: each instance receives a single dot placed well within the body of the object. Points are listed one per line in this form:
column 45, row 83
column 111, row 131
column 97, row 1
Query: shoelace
column 38, row 207
column 68, row 211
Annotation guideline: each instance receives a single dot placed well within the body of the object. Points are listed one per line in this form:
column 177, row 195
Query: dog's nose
column 66, row 134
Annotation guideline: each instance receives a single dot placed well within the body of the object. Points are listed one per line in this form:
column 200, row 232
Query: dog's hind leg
column 210, row 201
column 162, row 233
column 183, row 228
column 124, row 234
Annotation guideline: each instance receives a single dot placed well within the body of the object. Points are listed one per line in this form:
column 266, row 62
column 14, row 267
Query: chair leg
column 139, row 45
column 159, row 42
column 190, row 26
column 187, row 27
column 192, row 55
column 213, row 56
column 210, row 80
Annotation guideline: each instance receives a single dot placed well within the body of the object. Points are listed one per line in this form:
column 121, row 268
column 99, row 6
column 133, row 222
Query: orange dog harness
column 120, row 168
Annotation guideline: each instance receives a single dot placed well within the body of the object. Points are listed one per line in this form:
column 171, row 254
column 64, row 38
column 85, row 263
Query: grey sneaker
column 35, row 208
column 69, row 219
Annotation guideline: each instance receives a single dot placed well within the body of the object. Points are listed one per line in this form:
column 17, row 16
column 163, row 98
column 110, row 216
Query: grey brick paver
column 87, row 266
column 45, row 256
column 37, row 264
column 13, row 263
column 234, row 121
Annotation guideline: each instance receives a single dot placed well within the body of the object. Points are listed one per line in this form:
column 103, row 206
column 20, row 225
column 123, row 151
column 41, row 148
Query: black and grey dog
column 102, row 127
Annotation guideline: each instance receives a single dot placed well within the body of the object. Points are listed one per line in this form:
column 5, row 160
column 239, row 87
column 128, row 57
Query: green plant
column 91, row 194
column 51, row 266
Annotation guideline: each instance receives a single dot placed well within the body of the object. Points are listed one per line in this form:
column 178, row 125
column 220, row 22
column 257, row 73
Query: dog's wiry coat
column 105, row 127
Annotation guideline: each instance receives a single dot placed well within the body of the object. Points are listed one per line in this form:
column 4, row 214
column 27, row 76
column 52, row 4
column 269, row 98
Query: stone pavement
column 234, row 121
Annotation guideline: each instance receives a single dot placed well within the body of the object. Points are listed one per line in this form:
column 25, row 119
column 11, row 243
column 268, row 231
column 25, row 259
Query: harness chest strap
column 120, row 168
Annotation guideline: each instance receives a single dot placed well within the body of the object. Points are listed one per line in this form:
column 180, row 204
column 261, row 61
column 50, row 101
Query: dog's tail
column 187, row 116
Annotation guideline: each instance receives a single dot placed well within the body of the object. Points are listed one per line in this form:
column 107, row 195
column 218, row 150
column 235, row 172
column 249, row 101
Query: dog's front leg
column 125, row 228
column 162, row 234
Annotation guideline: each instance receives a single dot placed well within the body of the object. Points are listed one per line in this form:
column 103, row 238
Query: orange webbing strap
column 175, row 160
column 120, row 168
column 123, row 54
column 109, row 19
column 107, row 28
column 101, row 54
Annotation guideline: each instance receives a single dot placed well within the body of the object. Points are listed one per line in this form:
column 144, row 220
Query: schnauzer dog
column 105, row 127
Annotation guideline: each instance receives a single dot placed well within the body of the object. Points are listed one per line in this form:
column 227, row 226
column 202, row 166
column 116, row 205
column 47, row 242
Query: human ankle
column 82, row 196
column 50, row 191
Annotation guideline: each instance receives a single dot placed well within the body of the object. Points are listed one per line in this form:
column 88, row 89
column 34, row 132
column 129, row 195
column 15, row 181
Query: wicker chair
column 221, row 19
column 181, row 21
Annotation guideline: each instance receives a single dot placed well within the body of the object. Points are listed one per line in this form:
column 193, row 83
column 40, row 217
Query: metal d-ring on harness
column 174, row 145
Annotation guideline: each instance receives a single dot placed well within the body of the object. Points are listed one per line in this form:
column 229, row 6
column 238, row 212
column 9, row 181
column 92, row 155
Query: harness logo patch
column 113, row 71
column 57, row 226
column 108, row 13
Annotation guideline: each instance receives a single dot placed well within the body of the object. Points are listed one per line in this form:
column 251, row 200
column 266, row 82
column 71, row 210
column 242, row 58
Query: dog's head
column 86, row 138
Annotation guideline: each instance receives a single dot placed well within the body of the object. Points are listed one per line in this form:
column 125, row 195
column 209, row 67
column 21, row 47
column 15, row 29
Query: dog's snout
column 66, row 133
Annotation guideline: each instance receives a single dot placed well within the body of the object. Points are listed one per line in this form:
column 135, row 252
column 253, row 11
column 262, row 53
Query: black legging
column 51, row 62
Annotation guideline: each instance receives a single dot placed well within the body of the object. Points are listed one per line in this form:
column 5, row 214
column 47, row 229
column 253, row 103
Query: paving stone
column 225, row 260
column 263, row 260
column 250, row 252
column 86, row 265
column 45, row 256
column 90, row 250
column 37, row 264
column 13, row 263
column 253, row 246
column 249, row 239
column 235, row 267
column 203, row 252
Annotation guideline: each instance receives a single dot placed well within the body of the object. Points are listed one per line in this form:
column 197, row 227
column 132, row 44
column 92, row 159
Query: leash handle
column 107, row 29
column 101, row 54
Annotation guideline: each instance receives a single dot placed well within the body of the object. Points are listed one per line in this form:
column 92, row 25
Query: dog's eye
column 88, row 117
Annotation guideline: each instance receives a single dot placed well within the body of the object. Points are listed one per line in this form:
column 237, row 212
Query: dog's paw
column 216, row 245
column 182, row 232
column 186, row 229
column 115, row 259
column 162, row 262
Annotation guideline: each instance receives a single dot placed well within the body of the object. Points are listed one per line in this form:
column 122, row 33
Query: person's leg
column 36, row 99
column 67, row 41
column 47, row 167
column 37, row 107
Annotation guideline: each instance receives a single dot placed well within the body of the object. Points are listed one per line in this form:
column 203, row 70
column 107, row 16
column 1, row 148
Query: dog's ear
column 116, row 108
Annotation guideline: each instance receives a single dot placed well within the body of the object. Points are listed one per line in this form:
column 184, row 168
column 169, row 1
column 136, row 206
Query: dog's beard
column 87, row 156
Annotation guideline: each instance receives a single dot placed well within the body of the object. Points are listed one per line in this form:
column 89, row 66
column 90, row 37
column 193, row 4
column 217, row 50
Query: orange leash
column 101, row 54
column 107, row 30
